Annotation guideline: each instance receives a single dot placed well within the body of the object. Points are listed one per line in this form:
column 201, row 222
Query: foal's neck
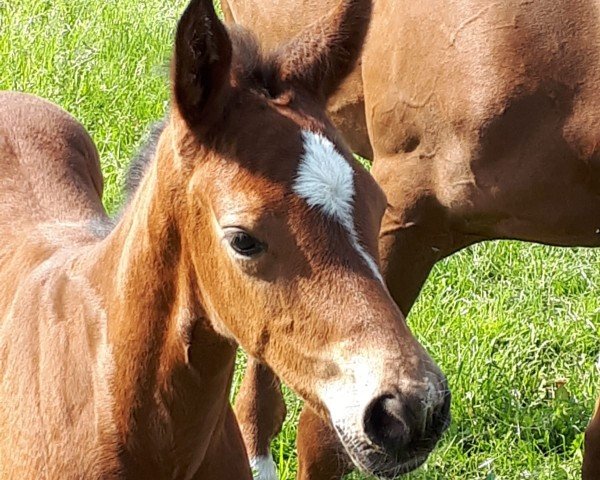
column 172, row 371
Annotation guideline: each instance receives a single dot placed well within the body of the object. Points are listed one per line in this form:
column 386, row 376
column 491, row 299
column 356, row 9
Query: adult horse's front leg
column 226, row 456
column 416, row 230
column 260, row 411
column 591, row 453
column 321, row 456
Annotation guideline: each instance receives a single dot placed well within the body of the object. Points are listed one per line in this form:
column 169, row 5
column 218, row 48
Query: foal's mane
column 143, row 158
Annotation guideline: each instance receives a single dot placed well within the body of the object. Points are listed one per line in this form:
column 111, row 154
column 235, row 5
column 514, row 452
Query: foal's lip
column 400, row 469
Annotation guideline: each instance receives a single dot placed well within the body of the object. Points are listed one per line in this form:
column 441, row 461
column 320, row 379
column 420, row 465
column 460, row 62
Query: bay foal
column 483, row 122
column 251, row 225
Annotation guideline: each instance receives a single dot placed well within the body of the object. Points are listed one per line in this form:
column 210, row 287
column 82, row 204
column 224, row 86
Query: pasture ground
column 514, row 326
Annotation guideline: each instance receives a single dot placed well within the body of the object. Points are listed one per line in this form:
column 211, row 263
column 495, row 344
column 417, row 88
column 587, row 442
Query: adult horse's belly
column 490, row 110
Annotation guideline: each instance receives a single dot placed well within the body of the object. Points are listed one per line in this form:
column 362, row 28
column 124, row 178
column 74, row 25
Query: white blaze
column 326, row 181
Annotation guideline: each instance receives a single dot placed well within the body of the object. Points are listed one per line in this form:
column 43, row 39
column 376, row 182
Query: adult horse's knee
column 260, row 410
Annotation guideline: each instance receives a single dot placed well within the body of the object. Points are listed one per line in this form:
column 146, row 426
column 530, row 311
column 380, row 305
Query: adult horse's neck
column 172, row 372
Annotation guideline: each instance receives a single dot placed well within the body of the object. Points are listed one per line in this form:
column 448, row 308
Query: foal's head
column 280, row 225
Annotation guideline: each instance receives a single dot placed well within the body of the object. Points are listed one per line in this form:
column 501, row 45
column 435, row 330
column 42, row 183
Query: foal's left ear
column 201, row 63
column 320, row 58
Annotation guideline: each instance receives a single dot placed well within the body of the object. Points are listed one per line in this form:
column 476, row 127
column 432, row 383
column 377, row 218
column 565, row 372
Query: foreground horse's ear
column 321, row 57
column 201, row 62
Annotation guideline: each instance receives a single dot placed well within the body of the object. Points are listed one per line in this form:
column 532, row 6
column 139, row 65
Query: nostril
column 399, row 422
column 384, row 423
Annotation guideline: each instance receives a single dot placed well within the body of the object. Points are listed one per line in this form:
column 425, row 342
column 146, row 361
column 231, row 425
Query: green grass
column 514, row 326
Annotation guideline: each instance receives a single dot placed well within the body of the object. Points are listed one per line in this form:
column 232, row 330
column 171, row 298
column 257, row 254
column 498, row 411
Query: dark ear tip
column 200, row 31
column 199, row 6
column 201, row 62
column 198, row 12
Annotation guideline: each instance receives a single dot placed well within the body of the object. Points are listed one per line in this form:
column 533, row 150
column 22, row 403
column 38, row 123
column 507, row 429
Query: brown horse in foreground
column 483, row 122
column 252, row 225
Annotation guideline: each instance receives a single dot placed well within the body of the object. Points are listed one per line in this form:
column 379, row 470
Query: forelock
column 250, row 67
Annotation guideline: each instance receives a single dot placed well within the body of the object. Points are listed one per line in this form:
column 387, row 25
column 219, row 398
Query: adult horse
column 483, row 122
column 117, row 342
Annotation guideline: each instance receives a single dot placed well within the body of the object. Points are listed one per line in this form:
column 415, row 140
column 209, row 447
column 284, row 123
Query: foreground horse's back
column 49, row 167
column 50, row 187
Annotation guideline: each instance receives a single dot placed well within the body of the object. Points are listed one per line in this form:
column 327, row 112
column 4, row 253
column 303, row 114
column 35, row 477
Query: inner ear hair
column 201, row 63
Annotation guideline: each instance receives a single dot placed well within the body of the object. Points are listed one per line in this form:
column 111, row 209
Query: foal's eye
column 245, row 244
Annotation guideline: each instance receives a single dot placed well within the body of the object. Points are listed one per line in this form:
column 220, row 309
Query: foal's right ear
column 324, row 53
column 201, row 62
